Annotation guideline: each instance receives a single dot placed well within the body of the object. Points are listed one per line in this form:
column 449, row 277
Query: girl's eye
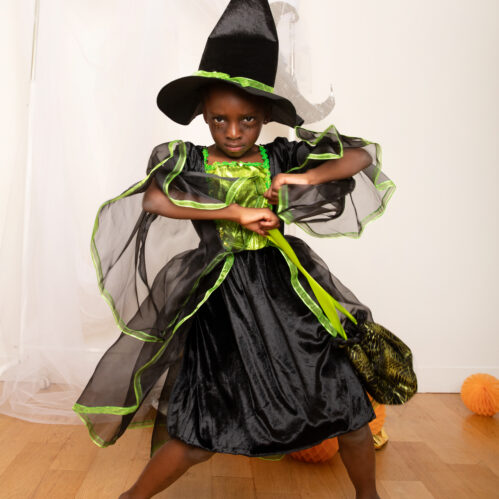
column 248, row 119
column 218, row 119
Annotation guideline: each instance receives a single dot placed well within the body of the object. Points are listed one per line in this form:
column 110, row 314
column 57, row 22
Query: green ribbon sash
column 328, row 304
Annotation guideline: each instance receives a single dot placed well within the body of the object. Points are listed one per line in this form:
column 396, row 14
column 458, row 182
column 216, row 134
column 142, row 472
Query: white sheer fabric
column 85, row 137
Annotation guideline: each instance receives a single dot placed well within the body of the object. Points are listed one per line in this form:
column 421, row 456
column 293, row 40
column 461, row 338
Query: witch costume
column 224, row 344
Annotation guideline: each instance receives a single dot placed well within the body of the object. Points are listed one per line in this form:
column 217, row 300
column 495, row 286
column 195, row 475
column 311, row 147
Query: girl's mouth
column 234, row 148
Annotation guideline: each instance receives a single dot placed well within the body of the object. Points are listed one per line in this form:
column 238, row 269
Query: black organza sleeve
column 178, row 170
column 337, row 208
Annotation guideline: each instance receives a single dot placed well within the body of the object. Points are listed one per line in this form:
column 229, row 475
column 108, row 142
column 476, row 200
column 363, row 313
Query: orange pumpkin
column 480, row 394
column 319, row 453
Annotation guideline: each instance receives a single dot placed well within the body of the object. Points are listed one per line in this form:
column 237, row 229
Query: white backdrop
column 420, row 78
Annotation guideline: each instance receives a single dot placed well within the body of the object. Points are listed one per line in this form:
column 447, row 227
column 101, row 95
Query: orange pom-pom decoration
column 319, row 453
column 376, row 425
column 480, row 394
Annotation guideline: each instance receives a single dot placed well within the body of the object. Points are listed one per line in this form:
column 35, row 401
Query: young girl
column 214, row 313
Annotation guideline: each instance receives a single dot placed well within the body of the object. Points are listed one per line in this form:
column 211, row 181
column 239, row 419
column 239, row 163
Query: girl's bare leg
column 168, row 463
column 357, row 454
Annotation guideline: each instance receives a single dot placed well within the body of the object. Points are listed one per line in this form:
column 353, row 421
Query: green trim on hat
column 241, row 80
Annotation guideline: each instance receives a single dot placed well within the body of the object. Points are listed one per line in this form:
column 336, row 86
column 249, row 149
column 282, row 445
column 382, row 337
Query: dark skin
column 235, row 119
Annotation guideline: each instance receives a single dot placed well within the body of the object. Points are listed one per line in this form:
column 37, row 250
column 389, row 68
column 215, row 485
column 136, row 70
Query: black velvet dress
column 260, row 375
column 223, row 343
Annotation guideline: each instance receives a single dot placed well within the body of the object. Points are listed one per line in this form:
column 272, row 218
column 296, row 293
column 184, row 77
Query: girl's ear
column 268, row 113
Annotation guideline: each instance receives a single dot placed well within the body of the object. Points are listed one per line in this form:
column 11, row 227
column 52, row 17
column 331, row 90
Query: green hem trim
column 120, row 411
column 240, row 80
column 93, row 436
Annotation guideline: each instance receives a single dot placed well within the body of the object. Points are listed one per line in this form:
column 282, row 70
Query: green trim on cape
column 388, row 186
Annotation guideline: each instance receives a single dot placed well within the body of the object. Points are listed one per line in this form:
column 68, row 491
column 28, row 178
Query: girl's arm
column 259, row 220
column 352, row 162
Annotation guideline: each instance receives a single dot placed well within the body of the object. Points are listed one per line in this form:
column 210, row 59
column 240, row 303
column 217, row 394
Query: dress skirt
column 259, row 374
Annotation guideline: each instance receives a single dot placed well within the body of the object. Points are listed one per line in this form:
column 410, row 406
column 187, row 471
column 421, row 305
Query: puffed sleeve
column 179, row 172
column 337, row 208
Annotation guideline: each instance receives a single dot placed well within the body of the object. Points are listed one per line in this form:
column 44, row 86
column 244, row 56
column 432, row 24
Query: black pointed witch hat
column 242, row 50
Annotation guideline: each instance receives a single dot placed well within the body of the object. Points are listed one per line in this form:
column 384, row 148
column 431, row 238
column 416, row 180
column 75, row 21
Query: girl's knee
column 196, row 454
column 356, row 436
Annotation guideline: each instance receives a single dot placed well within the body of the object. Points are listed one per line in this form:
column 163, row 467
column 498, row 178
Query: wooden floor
column 437, row 448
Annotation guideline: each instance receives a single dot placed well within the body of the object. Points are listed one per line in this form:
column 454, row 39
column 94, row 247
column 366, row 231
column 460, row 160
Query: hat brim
column 181, row 100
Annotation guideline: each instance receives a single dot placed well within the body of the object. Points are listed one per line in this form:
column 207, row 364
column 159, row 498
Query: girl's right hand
column 259, row 220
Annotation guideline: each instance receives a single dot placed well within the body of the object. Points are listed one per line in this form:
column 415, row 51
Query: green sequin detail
column 252, row 180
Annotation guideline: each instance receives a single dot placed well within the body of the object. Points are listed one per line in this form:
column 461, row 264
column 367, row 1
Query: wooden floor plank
column 398, row 422
column 390, row 464
column 25, row 472
column 435, row 474
column 485, row 482
column 229, row 487
column 276, row 477
column 405, row 490
column 10, row 449
column 230, row 465
column 317, row 480
column 438, row 429
column 437, row 448
column 266, row 495
column 109, row 470
column 59, row 484
column 77, row 452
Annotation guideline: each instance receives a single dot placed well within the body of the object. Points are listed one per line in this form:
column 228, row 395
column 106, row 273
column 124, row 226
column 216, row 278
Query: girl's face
column 235, row 119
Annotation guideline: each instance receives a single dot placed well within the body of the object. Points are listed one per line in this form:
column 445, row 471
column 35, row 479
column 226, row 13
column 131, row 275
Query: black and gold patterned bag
column 383, row 362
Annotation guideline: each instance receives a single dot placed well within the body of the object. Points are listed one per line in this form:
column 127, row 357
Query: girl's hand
column 272, row 194
column 259, row 220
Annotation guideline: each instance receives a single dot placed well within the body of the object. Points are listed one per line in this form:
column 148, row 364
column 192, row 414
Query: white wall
column 422, row 79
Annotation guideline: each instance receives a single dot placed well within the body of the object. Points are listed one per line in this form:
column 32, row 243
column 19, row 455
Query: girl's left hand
column 272, row 194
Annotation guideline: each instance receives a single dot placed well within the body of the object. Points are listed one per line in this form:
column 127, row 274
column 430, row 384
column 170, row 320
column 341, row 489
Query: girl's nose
column 233, row 131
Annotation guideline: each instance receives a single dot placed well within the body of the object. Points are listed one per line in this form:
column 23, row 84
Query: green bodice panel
column 248, row 191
